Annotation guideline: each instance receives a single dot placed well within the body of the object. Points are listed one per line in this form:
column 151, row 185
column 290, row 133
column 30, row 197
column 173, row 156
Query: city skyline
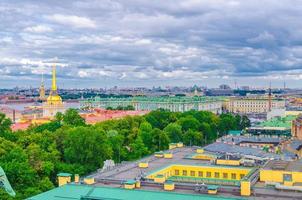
column 145, row 44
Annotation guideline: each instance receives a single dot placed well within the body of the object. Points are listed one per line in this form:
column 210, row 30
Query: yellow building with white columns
column 255, row 104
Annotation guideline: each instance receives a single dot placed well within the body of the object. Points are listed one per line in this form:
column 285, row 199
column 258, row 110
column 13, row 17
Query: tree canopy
column 32, row 158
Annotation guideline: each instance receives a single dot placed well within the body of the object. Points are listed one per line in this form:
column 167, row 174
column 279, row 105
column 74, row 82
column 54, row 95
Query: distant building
column 42, row 96
column 223, row 90
column 175, row 104
column 297, row 128
column 253, row 104
column 224, row 87
column 282, row 174
column 275, row 127
column 13, row 114
column 54, row 103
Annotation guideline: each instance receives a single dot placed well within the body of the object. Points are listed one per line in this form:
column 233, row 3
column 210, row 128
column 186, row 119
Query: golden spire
column 54, row 81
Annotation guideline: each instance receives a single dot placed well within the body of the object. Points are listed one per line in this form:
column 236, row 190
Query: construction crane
column 4, row 183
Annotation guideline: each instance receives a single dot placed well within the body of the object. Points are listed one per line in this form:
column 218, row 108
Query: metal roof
column 78, row 192
column 235, row 149
column 279, row 122
column 64, row 174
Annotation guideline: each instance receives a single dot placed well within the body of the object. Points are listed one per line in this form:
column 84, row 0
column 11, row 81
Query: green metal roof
column 169, row 182
column 64, row 174
column 279, row 122
column 234, row 132
column 213, row 187
column 130, row 182
column 78, row 192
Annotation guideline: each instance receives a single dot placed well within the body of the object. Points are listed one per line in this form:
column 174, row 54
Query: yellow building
column 202, row 156
column 172, row 146
column 143, row 165
column 175, row 171
column 284, row 172
column 130, row 184
column 159, row 154
column 257, row 104
column 54, row 103
column 169, row 186
column 227, row 162
column 89, row 180
column 168, row 155
column 209, row 174
column 63, row 178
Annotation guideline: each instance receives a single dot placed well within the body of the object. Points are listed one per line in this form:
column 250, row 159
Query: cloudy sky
column 102, row 43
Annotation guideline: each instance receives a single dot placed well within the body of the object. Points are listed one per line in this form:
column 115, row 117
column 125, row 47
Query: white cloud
column 72, row 20
column 262, row 37
column 38, row 29
column 6, row 40
column 156, row 40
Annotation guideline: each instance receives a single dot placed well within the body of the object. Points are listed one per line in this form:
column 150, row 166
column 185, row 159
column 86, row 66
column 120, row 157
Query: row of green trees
column 32, row 158
column 129, row 107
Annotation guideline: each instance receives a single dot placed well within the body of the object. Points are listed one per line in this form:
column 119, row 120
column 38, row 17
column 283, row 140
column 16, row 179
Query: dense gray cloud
column 100, row 43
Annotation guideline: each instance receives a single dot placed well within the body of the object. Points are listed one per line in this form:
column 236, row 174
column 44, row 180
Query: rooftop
column 296, row 144
column 252, row 139
column 131, row 170
column 284, row 165
column 80, row 192
column 279, row 122
column 223, row 148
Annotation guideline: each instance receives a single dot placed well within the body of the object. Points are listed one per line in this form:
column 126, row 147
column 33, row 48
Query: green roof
column 169, row 182
column 64, row 174
column 130, row 182
column 213, row 187
column 279, row 122
column 234, row 132
column 76, row 192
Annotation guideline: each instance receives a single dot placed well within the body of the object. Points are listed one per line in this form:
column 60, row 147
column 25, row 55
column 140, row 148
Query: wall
column 277, row 176
column 227, row 173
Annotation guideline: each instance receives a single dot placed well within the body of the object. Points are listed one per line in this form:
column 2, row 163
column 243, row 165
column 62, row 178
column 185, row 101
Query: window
column 216, row 175
column 287, row 177
column 241, row 176
column 209, row 174
column 200, row 174
column 225, row 175
column 184, row 172
column 176, row 172
column 233, row 175
column 192, row 173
